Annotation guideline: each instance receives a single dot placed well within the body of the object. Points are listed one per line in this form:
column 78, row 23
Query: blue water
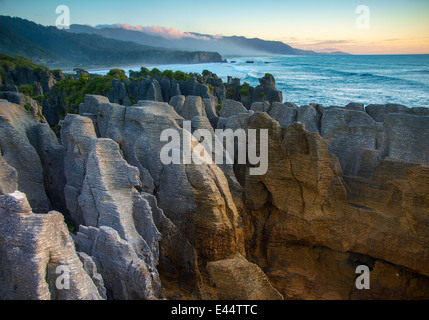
column 333, row 80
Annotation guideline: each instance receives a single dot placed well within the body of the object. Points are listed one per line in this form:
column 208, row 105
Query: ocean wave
column 420, row 71
column 367, row 74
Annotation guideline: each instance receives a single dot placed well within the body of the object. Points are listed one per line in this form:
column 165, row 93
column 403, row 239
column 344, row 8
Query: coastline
column 328, row 80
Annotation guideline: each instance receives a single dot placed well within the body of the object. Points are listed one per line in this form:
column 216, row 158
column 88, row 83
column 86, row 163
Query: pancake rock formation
column 345, row 187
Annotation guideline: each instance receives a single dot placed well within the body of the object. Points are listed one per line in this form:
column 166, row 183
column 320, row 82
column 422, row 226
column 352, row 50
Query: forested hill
column 58, row 48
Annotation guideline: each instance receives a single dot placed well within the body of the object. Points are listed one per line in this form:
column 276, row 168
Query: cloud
column 312, row 42
column 171, row 33
column 331, row 42
column 165, row 32
column 327, row 49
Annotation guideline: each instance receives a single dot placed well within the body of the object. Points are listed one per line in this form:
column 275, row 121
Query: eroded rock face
column 261, row 106
column 91, row 269
column 51, row 154
column 193, row 107
column 8, row 177
column 319, row 273
column 231, row 107
column 16, row 126
column 379, row 111
column 238, row 279
column 406, row 137
column 119, row 94
column 104, row 194
column 177, row 103
column 30, row 104
column 144, row 89
column 347, row 132
column 310, row 117
column 283, row 113
column 345, row 186
column 29, row 270
column 318, row 225
column 126, row 276
column 195, row 198
column 267, row 91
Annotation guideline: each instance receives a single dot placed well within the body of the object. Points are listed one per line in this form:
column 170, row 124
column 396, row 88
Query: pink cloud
column 165, row 32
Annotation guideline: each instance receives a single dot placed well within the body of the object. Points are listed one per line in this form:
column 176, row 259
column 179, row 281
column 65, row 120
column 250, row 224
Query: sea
column 331, row 80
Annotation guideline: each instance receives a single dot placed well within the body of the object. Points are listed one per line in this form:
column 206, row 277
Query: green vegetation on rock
column 230, row 92
column 118, row 74
column 244, row 90
column 74, row 91
column 27, row 89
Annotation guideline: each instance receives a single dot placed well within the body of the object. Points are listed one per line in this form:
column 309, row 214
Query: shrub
column 168, row 74
column 230, row 92
column 211, row 88
column 40, row 98
column 132, row 99
column 181, row 76
column 244, row 91
column 74, row 91
column 219, row 107
column 26, row 89
column 155, row 72
column 140, row 74
column 118, row 74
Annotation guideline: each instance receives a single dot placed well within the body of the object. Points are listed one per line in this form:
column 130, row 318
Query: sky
column 395, row 26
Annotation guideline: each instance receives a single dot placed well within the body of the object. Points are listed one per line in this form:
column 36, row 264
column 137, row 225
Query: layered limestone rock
column 309, row 226
column 32, row 248
column 405, row 137
column 193, row 88
column 193, row 107
column 16, row 129
column 238, row 279
column 347, row 133
column 267, row 91
column 285, row 114
column 91, row 269
column 118, row 93
column 51, row 155
column 195, row 198
column 261, row 106
column 177, row 103
column 310, row 117
column 143, row 89
column 231, row 107
column 178, row 267
column 319, row 273
column 8, row 177
column 379, row 111
column 345, row 186
column 31, row 105
column 101, row 191
column 126, row 276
